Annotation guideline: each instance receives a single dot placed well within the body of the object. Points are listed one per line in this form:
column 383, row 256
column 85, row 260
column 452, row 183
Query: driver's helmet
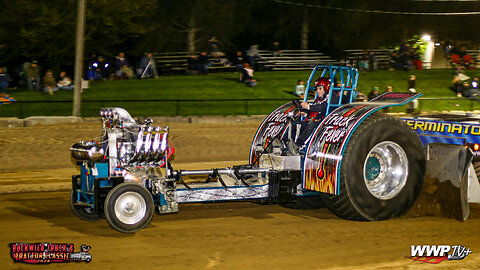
column 323, row 81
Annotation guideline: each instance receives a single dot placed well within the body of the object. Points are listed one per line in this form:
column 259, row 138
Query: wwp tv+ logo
column 438, row 253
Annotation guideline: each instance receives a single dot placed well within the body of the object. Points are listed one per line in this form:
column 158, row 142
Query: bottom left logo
column 41, row 253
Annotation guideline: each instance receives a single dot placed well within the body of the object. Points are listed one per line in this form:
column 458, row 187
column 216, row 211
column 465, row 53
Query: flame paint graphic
column 429, row 259
column 320, row 176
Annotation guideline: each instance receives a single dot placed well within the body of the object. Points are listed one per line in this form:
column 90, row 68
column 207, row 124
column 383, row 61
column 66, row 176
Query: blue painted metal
column 347, row 79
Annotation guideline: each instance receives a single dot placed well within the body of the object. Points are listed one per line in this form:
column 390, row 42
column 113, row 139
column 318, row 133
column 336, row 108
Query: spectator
column 147, row 68
column 457, row 85
column 203, row 63
column 104, row 69
column 64, row 82
column 32, row 75
column 374, row 93
column 215, row 48
column 192, row 64
column 276, row 49
column 361, row 97
column 299, row 89
column 389, row 89
column 363, row 61
column 246, row 76
column 122, row 67
column 372, row 61
column 474, row 83
column 411, row 83
column 470, row 92
column 92, row 66
column 49, row 83
column 251, row 54
column 238, row 61
column 4, row 81
column 416, row 61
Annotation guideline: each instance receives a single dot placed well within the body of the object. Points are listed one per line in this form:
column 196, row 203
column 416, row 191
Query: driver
column 314, row 112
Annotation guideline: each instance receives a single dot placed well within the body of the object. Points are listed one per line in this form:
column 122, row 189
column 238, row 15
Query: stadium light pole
column 79, row 47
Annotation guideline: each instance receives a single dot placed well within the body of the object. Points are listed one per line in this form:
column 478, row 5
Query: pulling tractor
column 360, row 163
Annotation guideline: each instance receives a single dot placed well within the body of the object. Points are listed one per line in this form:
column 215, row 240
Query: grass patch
column 220, row 86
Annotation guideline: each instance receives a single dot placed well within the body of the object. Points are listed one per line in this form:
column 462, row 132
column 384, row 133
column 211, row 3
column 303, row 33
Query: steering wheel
column 296, row 103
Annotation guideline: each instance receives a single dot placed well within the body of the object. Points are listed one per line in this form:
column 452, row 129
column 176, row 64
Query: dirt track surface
column 201, row 236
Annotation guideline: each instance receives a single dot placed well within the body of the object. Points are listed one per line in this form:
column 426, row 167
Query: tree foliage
column 45, row 30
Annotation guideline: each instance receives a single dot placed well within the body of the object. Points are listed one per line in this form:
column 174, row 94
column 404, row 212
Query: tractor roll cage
column 346, row 76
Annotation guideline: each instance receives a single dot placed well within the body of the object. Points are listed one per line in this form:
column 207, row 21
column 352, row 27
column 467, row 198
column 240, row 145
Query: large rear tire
column 381, row 173
column 129, row 207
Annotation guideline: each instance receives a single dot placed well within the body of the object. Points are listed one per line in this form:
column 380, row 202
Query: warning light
column 476, row 147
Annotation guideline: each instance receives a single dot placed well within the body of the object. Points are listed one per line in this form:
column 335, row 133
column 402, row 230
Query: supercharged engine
column 127, row 151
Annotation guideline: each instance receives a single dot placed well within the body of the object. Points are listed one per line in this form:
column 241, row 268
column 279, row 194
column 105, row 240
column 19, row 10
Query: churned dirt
column 233, row 235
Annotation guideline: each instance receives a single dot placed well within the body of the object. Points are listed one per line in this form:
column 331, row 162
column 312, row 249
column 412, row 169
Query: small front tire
column 129, row 207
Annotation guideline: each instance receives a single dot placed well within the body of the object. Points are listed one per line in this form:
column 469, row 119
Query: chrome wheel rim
column 385, row 170
column 130, row 207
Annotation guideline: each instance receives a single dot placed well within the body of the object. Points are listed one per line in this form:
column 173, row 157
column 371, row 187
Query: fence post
column 246, row 107
column 471, row 105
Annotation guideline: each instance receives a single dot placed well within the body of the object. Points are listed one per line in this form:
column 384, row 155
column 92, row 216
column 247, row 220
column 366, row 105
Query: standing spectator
column 374, row 93
column 122, row 67
column 276, row 49
column 411, row 83
column 247, row 76
column 238, row 61
column 49, row 83
column 203, row 63
column 147, row 68
column 251, row 54
column 411, row 88
column 299, row 89
column 32, row 75
column 64, row 82
column 4, row 81
column 192, row 64
column 416, row 61
column 215, row 48
column 372, row 61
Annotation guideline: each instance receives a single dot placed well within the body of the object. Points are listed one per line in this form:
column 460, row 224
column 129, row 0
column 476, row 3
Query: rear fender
column 323, row 158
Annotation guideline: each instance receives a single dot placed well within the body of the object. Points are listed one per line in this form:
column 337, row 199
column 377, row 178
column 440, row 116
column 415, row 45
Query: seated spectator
column 49, row 83
column 374, row 93
column 246, row 76
column 361, row 97
column 474, row 83
column 457, row 85
column 4, row 81
column 147, row 67
column 32, row 75
column 363, row 61
column 416, row 61
column 469, row 92
column 299, row 89
column 276, row 49
column 104, row 69
column 64, row 82
column 122, row 67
